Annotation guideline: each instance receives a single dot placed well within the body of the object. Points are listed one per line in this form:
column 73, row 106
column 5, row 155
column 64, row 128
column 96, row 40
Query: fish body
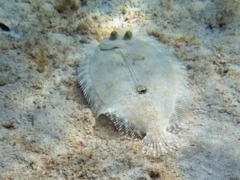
column 139, row 85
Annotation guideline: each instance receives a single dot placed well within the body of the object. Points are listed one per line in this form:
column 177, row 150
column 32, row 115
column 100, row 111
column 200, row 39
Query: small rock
column 4, row 27
column 10, row 124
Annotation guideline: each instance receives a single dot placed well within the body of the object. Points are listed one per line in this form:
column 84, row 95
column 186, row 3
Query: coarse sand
column 47, row 130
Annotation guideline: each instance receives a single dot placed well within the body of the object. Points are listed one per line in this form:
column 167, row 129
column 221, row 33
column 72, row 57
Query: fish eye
column 128, row 35
column 113, row 35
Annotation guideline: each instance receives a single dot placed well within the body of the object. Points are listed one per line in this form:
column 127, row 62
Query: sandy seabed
column 47, row 130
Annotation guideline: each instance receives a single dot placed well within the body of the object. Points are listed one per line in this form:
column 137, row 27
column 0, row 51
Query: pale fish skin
column 135, row 81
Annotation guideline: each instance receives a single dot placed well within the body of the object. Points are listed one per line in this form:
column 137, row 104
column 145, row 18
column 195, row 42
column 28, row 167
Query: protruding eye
column 128, row 35
column 113, row 35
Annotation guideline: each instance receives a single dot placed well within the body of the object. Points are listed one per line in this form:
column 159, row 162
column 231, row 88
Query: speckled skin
column 111, row 79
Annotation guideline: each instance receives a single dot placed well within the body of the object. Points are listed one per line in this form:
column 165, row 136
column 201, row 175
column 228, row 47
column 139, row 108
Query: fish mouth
column 108, row 49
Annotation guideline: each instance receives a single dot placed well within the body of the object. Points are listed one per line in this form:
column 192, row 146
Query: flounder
column 138, row 84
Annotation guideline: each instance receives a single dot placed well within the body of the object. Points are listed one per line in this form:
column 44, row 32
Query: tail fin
column 159, row 145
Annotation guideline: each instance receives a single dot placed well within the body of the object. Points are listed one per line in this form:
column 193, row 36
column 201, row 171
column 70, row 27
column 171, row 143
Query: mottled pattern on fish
column 138, row 84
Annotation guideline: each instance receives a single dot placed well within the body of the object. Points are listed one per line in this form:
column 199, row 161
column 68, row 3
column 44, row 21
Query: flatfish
column 139, row 85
